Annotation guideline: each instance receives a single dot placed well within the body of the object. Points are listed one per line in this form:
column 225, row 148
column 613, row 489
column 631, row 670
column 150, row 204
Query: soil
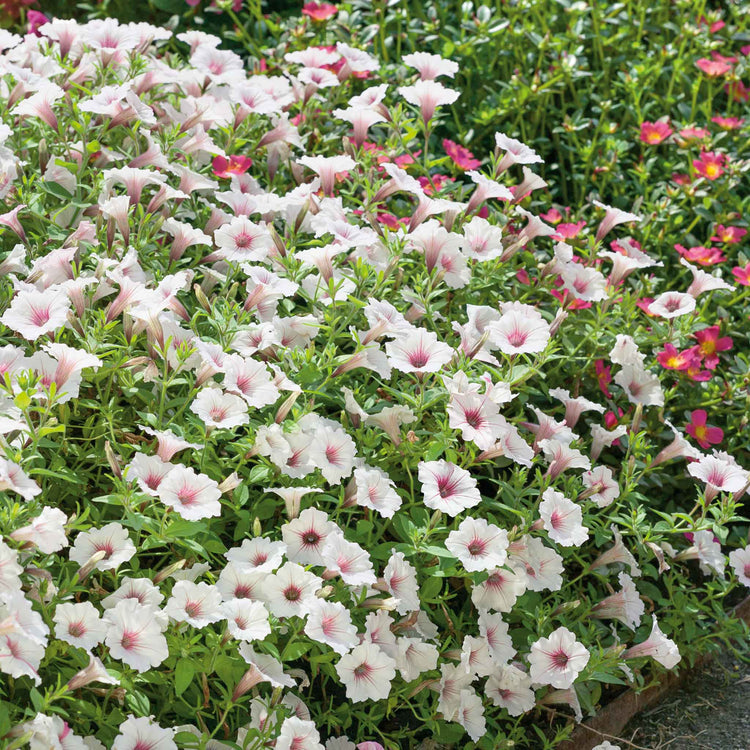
column 709, row 712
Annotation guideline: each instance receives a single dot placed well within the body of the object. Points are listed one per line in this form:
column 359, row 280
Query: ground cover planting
column 338, row 413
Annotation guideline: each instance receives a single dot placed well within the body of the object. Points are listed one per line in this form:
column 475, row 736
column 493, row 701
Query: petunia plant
column 308, row 444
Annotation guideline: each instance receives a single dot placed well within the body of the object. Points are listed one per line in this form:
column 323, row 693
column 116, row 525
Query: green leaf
column 294, row 650
column 183, row 675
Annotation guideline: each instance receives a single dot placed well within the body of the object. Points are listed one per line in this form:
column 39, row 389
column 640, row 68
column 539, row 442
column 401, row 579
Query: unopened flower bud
column 173, row 568
column 112, row 460
column 90, row 564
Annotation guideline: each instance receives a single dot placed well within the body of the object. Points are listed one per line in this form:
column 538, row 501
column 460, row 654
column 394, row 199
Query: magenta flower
column 705, row 435
column 654, row 133
column 461, row 157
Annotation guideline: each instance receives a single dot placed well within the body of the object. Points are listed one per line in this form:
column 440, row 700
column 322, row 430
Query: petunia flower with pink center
column 562, row 519
column 447, row 487
column 366, row 672
column 478, row 545
column 32, row 313
column 418, row 351
column 193, row 496
column 430, row 66
column 428, row 95
column 705, row 435
column 719, row 474
column 557, row 660
column 135, row 636
column 520, row 330
column 654, row 133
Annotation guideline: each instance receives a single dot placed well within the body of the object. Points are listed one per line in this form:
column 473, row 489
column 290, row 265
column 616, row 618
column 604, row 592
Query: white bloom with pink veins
column 722, row 475
column 478, row 418
column 557, row 660
column 220, row 410
column 562, row 457
column 672, row 304
column 495, row 631
column 414, row 656
column 625, row 606
column 193, row 496
column 298, row 734
column 332, row 451
column 376, row 490
column 601, row 488
column 640, row 385
column 447, row 487
column 258, row 554
column 198, row 604
column 79, row 625
column 658, row 647
column 625, row 351
column 478, row 545
column 510, row 688
column 331, row 623
column 366, row 672
column 520, row 330
column 250, row 379
column 32, row 314
column 500, row 591
column 247, row 620
column 148, row 472
column 46, row 531
column 349, row 560
column 243, row 240
column 612, row 217
column 562, row 519
column 135, row 636
column 516, row 152
column 418, row 351
column 306, row 535
column 739, row 559
column 142, row 590
column 290, row 591
column 430, row 66
column 327, row 167
column 543, row 565
column 400, row 578
column 143, row 733
column 428, row 95
column 112, row 539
